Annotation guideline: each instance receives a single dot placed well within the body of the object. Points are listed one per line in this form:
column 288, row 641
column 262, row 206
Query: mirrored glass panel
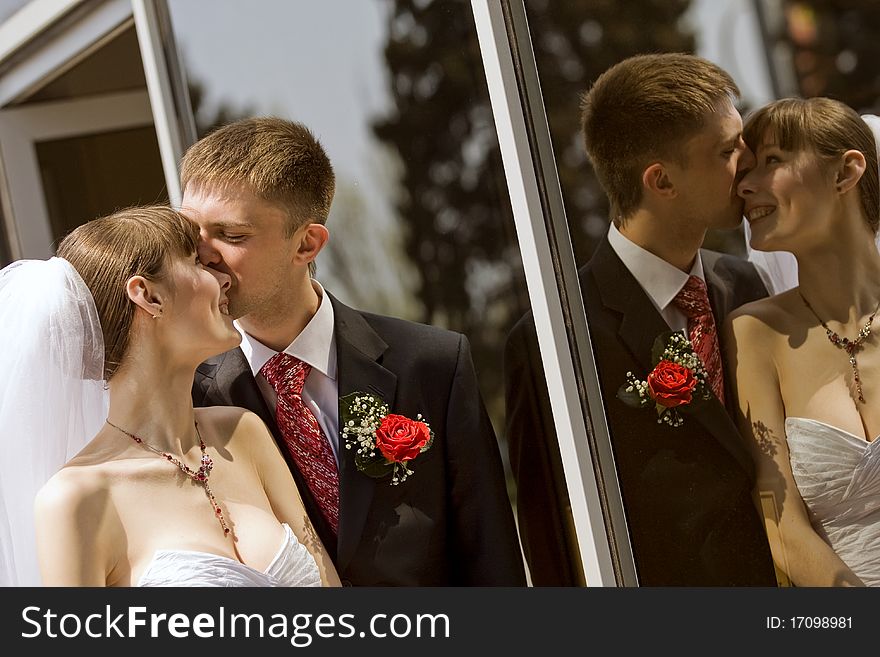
column 687, row 483
column 421, row 225
column 113, row 66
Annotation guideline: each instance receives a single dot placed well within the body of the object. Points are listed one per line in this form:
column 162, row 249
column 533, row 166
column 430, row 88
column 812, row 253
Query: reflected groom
column 665, row 141
column 260, row 190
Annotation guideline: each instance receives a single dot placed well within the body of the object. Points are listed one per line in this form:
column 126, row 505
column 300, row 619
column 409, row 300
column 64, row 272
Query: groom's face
column 715, row 160
column 244, row 237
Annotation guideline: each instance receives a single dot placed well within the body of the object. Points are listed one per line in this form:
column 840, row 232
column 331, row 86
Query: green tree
column 574, row 43
column 835, row 49
column 454, row 207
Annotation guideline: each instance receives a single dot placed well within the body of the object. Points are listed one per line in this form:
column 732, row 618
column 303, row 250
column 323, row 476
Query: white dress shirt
column 660, row 280
column 315, row 345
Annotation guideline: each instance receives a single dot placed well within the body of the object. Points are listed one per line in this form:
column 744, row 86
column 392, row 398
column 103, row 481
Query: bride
column 806, row 362
column 162, row 494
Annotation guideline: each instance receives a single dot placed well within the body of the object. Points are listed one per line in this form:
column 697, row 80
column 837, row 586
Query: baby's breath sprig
column 367, row 427
column 680, row 384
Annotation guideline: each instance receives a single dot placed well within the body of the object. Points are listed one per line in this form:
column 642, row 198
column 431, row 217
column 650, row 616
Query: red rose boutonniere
column 385, row 443
column 677, row 383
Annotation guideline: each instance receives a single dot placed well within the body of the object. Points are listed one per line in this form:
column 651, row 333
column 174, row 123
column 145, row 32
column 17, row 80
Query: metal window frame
column 554, row 291
column 46, row 38
column 166, row 85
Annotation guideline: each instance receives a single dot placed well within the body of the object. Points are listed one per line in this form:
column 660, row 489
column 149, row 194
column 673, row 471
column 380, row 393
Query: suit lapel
column 358, row 348
column 720, row 290
column 233, row 384
column 640, row 325
column 719, row 287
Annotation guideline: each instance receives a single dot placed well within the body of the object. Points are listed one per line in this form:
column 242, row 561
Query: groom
column 260, row 190
column 665, row 141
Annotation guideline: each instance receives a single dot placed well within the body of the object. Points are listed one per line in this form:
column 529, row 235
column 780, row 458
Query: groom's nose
column 208, row 255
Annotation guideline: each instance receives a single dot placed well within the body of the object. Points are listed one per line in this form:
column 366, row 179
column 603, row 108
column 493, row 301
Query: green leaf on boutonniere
column 660, row 344
column 384, row 443
column 373, row 466
column 677, row 383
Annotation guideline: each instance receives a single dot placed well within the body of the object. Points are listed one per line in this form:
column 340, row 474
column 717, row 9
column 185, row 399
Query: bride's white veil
column 778, row 269
column 52, row 396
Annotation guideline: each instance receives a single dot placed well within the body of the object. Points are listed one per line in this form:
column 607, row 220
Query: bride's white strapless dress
column 838, row 476
column 292, row 565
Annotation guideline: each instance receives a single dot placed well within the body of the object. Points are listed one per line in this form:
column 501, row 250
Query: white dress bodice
column 838, row 476
column 292, row 565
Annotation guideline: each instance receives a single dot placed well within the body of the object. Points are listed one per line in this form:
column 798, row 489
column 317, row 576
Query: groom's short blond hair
column 277, row 160
column 643, row 109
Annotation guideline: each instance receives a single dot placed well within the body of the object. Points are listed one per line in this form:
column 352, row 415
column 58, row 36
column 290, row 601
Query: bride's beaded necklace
column 849, row 346
column 199, row 476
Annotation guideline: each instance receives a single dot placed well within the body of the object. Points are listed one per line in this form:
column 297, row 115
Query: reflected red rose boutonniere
column 385, row 443
column 677, row 384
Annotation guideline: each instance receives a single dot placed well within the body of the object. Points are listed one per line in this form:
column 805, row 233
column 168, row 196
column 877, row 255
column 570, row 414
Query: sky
column 342, row 79
column 321, row 62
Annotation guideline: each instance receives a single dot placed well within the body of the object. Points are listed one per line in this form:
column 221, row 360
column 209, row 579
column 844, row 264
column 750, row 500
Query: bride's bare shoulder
column 79, row 489
column 228, row 424
column 773, row 314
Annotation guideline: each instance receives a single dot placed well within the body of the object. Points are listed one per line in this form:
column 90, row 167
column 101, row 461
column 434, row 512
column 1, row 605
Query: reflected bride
column 806, row 361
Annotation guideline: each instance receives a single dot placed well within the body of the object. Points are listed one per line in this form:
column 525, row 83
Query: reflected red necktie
column 693, row 300
column 305, row 441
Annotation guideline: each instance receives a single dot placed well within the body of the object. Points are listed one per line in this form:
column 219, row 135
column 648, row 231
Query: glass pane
column 90, row 157
column 833, row 50
column 93, row 175
column 660, row 481
column 575, row 42
column 421, row 226
column 115, row 66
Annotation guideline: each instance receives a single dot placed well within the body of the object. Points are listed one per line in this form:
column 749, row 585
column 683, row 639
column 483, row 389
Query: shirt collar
column 314, row 345
column 660, row 280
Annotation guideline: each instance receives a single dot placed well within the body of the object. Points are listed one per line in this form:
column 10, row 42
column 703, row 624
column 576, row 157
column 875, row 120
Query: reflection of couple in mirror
column 724, row 405
column 365, row 455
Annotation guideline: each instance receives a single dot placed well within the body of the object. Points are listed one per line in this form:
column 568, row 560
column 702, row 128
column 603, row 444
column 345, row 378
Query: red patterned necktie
column 693, row 301
column 305, row 441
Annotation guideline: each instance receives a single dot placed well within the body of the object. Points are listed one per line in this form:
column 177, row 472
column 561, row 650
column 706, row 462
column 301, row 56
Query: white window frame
column 576, row 401
column 20, row 129
column 42, row 41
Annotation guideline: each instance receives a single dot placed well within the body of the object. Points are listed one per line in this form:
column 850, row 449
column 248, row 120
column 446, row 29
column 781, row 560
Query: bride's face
column 788, row 198
column 199, row 309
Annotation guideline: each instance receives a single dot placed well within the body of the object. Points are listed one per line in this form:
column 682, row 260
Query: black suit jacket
column 450, row 522
column 686, row 489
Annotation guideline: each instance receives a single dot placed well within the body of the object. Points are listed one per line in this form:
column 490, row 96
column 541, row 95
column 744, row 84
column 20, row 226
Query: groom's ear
column 656, row 180
column 145, row 295
column 850, row 170
column 311, row 238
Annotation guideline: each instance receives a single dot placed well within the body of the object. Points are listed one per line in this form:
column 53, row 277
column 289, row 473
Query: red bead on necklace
column 199, row 476
column 849, row 346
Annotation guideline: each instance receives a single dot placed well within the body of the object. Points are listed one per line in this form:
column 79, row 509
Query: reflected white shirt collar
column 315, row 345
column 660, row 280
